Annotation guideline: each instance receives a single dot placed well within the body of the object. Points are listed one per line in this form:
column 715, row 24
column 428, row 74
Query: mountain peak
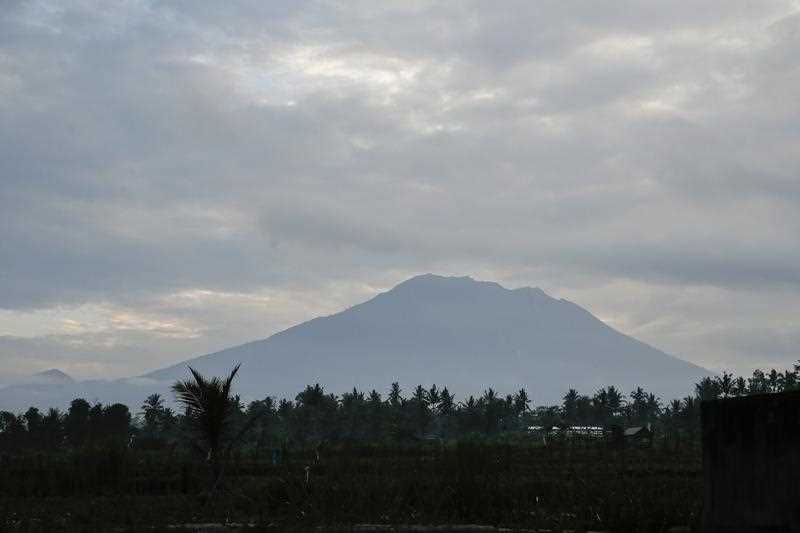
column 534, row 292
column 52, row 376
column 435, row 284
column 434, row 281
column 429, row 278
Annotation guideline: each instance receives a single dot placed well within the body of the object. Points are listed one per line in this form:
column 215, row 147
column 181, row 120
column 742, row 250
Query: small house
column 638, row 436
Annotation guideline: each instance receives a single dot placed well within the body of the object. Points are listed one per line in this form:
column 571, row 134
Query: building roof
column 633, row 431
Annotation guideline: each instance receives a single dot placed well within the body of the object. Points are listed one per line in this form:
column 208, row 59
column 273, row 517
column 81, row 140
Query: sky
column 177, row 177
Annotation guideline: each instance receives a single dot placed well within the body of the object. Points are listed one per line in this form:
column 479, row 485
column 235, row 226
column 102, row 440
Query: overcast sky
column 180, row 176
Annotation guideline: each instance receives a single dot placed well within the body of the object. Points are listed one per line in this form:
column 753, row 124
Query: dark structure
column 751, row 464
column 639, row 436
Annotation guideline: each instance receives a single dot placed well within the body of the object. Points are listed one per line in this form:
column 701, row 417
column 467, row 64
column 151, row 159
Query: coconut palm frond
column 190, row 393
column 209, row 406
column 226, row 387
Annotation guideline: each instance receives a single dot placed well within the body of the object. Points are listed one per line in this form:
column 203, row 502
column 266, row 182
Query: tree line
column 316, row 416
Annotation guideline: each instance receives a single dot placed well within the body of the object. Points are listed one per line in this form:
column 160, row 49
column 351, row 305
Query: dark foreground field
column 516, row 486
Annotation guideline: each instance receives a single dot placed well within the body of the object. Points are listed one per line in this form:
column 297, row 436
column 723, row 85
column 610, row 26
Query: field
column 511, row 485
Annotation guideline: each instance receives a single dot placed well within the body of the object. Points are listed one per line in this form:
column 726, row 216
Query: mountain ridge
column 455, row 331
column 441, row 311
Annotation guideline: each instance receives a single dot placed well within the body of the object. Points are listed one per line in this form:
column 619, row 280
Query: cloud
column 253, row 156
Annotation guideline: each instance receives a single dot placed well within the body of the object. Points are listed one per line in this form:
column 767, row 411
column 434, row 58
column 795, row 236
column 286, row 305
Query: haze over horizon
column 181, row 177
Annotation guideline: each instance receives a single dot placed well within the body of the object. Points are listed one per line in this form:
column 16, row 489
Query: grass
column 501, row 485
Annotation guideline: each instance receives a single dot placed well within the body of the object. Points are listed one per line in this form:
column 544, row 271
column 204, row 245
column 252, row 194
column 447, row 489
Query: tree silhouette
column 76, row 424
column 569, row 407
column 395, row 395
column 420, row 410
column 152, row 409
column 217, row 417
column 789, row 381
column 725, row 385
column 739, row 387
column 493, row 409
column 115, row 424
column 353, row 415
column 606, row 404
column 52, row 430
column 469, row 416
column 12, row 431
column 158, row 422
column 34, row 422
column 375, row 413
column 266, row 415
column 315, row 415
column 708, row 389
column 446, row 402
column 209, row 406
column 521, row 402
column 758, row 384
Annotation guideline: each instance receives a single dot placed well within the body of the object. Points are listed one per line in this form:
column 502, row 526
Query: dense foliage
column 322, row 459
column 315, row 417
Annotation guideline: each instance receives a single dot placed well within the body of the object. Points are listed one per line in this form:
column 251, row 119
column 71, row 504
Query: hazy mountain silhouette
column 53, row 376
column 43, row 389
column 463, row 333
column 466, row 334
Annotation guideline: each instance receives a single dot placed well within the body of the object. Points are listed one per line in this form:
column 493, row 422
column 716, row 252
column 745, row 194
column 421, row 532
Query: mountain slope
column 466, row 334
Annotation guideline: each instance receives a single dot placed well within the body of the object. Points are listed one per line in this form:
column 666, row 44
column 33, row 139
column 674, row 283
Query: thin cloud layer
column 282, row 160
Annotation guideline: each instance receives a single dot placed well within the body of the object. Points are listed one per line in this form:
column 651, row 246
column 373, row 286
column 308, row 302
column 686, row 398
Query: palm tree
column 690, row 416
column 446, row 402
column 433, row 396
column 707, row 389
column 492, row 410
column 774, row 379
column 758, row 384
column 740, row 387
column 672, row 420
column 521, row 402
column 789, row 380
column 152, row 409
column 209, row 406
column 653, row 406
column 395, row 395
column 607, row 404
column 420, row 410
column 264, row 410
column 570, row 407
column 725, row 384
column 615, row 400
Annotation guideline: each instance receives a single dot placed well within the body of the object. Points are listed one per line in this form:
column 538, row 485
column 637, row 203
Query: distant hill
column 42, row 390
column 50, row 377
column 454, row 331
